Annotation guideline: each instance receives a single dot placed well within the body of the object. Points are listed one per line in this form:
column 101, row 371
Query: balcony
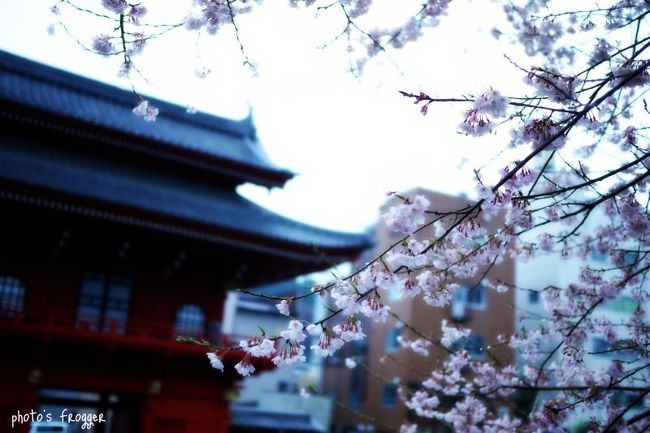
column 55, row 323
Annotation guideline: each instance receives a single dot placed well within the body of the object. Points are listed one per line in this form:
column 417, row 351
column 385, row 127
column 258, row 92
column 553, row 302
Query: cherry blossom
column 349, row 330
column 147, row 111
column 568, row 181
column 328, row 344
column 245, row 367
column 258, row 347
column 452, row 334
column 372, row 308
column 283, row 307
column 102, row 44
column 215, row 361
column 117, row 6
column 294, row 332
column 406, row 218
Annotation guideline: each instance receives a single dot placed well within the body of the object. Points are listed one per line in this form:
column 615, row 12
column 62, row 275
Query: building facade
column 119, row 235
column 553, row 269
column 281, row 391
column 368, row 398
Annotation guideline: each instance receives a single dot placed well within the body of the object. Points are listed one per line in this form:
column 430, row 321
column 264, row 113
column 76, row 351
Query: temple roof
column 43, row 168
column 48, row 94
column 190, row 208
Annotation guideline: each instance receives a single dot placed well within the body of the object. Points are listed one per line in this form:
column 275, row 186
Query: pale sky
column 350, row 140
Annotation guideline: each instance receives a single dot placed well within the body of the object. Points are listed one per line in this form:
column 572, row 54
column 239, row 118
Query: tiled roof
column 253, row 418
column 126, row 190
column 103, row 108
column 152, row 193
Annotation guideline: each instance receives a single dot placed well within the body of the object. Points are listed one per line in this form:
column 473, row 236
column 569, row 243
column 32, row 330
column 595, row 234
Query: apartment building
column 368, row 398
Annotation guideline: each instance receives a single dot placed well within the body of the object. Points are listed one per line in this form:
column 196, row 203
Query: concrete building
column 279, row 392
column 553, row 269
column 373, row 393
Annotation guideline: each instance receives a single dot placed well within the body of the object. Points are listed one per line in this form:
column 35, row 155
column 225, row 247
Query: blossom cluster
column 549, row 201
column 489, row 105
column 572, row 185
column 212, row 15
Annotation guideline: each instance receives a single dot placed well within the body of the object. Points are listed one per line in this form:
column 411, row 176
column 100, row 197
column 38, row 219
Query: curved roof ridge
column 39, row 91
column 89, row 86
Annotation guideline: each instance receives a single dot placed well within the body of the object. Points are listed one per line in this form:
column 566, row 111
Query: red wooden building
column 116, row 236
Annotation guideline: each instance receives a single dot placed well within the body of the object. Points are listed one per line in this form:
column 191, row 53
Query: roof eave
column 31, row 117
column 310, row 255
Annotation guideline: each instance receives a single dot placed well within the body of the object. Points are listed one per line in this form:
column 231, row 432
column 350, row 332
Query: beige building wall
column 495, row 317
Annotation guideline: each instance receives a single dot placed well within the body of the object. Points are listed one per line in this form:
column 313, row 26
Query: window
column 599, row 345
column 12, row 297
column 104, row 303
column 533, row 297
column 477, row 297
column 475, row 346
column 283, row 386
column 464, row 298
column 631, row 258
column 357, row 388
column 390, row 340
column 622, row 350
column 389, row 395
column 190, row 321
column 597, row 256
column 359, row 349
column 626, row 399
column 459, row 304
column 622, row 304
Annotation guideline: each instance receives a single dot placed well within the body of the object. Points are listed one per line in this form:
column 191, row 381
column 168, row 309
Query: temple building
column 119, row 235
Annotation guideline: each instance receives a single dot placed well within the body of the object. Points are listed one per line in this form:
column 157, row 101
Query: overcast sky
column 350, row 140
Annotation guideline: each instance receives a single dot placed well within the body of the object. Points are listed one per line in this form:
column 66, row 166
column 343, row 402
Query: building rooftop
column 40, row 170
column 48, row 95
